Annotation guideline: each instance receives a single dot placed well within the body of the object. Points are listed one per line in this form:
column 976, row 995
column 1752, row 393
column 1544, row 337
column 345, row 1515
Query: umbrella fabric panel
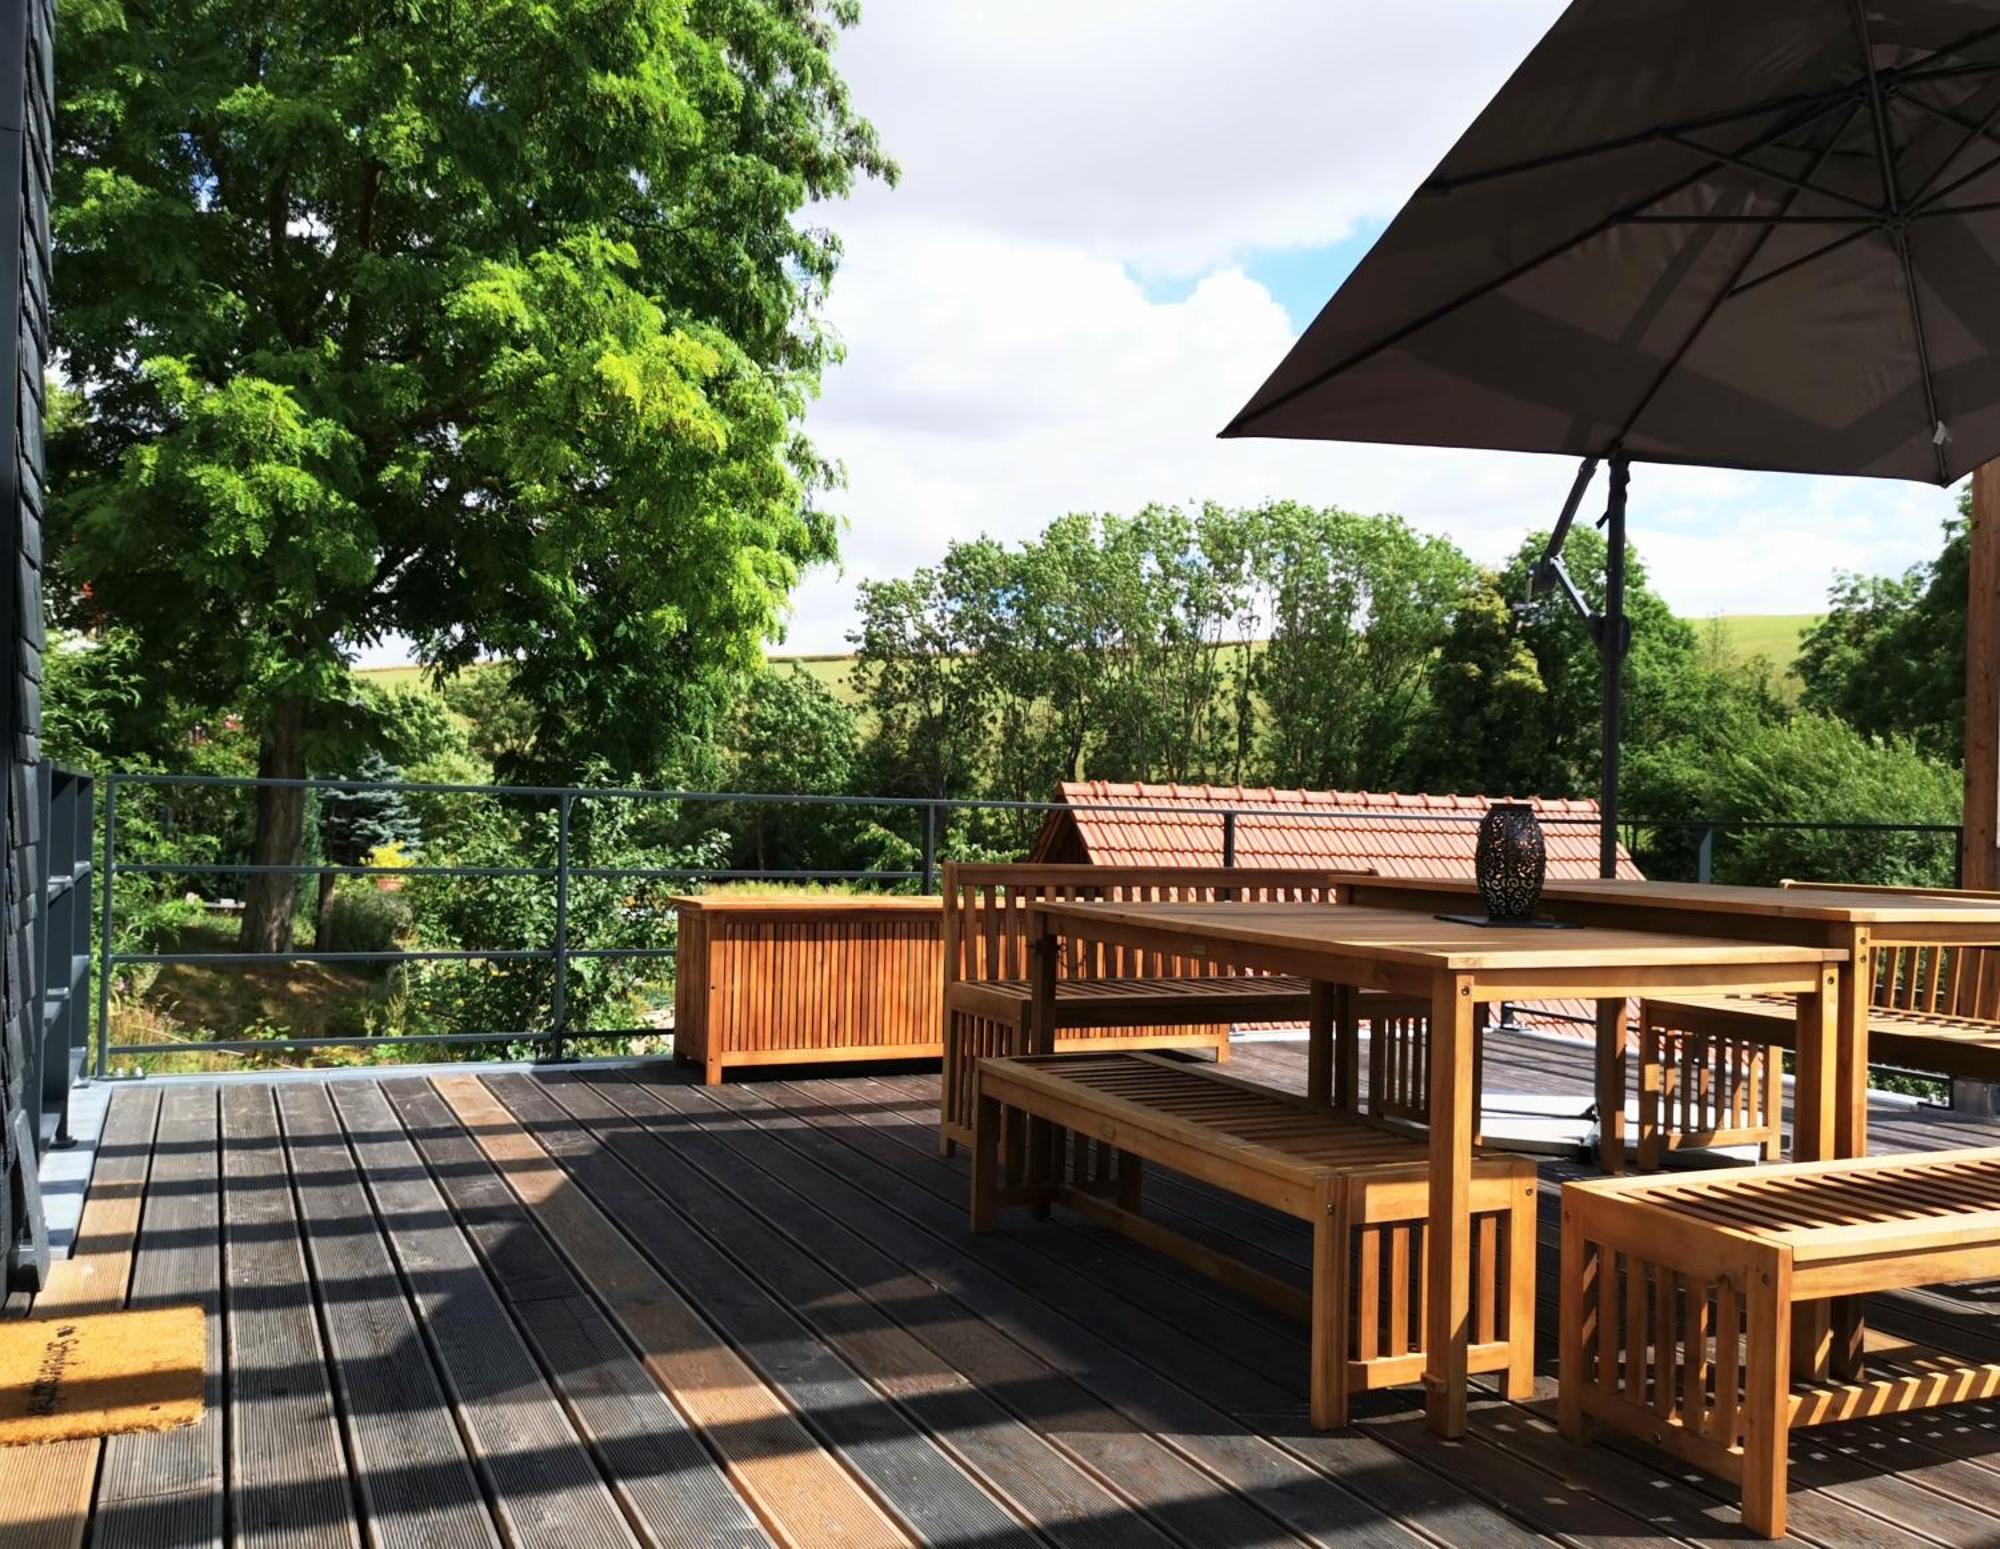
column 1671, row 235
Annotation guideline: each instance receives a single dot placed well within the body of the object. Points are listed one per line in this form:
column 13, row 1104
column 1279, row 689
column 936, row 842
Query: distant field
column 1774, row 636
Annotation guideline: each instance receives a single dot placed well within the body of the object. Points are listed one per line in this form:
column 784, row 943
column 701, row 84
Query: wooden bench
column 1707, row 1075
column 1082, row 1125
column 1114, row 998
column 1694, row 1308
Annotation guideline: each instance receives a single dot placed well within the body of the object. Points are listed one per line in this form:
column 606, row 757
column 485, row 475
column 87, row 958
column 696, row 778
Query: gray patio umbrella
column 1755, row 235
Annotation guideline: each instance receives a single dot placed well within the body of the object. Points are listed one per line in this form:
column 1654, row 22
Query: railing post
column 1229, row 837
column 559, row 1001
column 930, row 848
column 1704, row 855
column 105, row 935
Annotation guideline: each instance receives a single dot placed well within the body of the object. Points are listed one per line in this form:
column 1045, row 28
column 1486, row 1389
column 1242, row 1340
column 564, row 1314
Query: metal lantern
column 1511, row 861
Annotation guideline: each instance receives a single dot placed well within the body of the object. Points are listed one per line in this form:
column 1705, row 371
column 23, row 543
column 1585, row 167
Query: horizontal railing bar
column 602, row 873
column 303, row 869
column 512, row 954
column 382, row 1041
column 386, row 1041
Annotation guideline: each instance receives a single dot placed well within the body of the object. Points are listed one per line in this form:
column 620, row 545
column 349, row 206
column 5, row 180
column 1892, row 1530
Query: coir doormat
column 100, row 1373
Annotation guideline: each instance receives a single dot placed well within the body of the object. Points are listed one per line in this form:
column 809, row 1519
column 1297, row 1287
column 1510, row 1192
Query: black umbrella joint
column 1763, row 237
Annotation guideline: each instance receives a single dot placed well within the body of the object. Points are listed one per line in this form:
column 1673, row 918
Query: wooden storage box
column 770, row 981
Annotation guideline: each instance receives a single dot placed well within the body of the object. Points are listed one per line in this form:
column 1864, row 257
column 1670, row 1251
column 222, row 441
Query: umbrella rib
column 1798, row 185
column 1900, row 231
column 1723, row 292
column 1744, row 287
column 1922, row 195
column 1526, row 266
column 1705, row 218
column 1945, row 211
column 1820, row 99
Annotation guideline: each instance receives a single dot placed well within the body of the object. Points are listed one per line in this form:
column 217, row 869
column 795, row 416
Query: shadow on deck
column 609, row 1307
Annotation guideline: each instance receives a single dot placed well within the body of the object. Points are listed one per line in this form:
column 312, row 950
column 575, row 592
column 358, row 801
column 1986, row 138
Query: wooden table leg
column 1857, row 981
column 1447, row 1329
column 1347, row 1041
column 1320, row 1014
column 1611, row 1061
column 1044, row 955
column 1816, row 1095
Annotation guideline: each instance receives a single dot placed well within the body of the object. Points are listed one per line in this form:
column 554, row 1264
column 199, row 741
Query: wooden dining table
column 1854, row 921
column 1458, row 968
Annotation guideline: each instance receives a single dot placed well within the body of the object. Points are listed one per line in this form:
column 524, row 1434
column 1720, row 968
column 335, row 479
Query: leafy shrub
column 366, row 919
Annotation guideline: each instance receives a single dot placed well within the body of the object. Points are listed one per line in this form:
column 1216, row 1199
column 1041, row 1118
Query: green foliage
column 1360, row 606
column 791, row 735
column 1517, row 684
column 499, row 722
column 1889, row 656
column 493, row 330
column 366, row 919
column 513, row 913
column 1809, row 769
column 354, row 822
column 916, row 673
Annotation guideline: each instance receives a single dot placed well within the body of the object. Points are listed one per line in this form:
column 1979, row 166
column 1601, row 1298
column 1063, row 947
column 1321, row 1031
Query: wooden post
column 1448, row 1239
column 1979, row 852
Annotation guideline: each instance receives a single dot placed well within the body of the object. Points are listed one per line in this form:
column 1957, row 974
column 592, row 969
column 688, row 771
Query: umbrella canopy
column 1756, row 235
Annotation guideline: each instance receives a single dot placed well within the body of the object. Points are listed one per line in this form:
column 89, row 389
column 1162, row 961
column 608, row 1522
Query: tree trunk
column 323, row 913
column 271, row 898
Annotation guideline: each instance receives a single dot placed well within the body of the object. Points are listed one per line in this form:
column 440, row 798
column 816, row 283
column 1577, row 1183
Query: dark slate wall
column 27, row 101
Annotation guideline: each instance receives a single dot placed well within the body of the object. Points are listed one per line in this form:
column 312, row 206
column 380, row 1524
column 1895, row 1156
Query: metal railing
column 930, row 818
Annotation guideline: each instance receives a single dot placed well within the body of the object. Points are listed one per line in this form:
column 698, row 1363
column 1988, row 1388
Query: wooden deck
column 615, row 1307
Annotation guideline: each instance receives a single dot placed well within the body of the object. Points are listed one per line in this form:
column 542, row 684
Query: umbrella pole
column 1611, row 646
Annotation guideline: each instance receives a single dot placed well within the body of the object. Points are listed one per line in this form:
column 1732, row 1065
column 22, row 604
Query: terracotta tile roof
column 1396, row 834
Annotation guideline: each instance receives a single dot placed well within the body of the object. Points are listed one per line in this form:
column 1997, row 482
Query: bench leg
column 1321, row 1057
column 1579, row 1295
column 1130, row 1171
column 1520, row 1290
column 1329, row 1314
column 1651, row 1075
column 1768, row 1385
column 1046, row 1148
column 986, row 1122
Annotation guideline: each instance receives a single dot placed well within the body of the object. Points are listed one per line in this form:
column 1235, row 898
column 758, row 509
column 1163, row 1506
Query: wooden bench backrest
column 986, row 913
column 1959, row 981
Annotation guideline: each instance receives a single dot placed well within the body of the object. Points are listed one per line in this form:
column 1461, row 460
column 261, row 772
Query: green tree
column 1548, row 741
column 1808, row 769
column 355, row 822
column 1108, row 643
column 1359, row 606
column 1889, row 655
column 919, row 678
column 791, row 735
column 491, row 328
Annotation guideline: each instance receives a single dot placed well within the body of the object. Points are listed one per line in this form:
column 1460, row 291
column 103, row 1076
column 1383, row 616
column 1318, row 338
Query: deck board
column 672, row 1489
column 416, row 1485
column 605, row 1306
column 289, row 1485
column 165, row 1487
column 545, row 1488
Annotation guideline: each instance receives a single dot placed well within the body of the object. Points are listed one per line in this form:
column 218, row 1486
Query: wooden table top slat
column 1831, row 904
column 1418, row 940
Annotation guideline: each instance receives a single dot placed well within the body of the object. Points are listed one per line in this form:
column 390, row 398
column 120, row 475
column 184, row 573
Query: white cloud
column 1006, row 365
